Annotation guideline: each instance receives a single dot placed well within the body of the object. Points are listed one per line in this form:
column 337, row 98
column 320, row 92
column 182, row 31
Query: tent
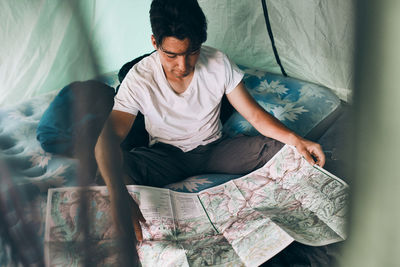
column 50, row 40
column 346, row 46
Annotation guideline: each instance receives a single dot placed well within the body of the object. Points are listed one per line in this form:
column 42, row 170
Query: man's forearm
column 264, row 122
column 109, row 160
column 271, row 127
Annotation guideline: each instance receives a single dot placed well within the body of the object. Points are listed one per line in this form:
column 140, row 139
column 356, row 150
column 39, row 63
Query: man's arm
column 110, row 162
column 271, row 127
column 108, row 152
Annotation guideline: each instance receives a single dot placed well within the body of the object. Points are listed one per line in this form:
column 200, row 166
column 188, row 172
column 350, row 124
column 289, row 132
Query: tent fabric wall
column 314, row 39
column 238, row 28
column 31, row 34
column 48, row 43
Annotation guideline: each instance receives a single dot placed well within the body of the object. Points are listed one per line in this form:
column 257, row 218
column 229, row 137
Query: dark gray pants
column 164, row 164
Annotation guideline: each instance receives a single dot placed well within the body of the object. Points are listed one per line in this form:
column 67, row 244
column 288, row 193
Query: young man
column 179, row 90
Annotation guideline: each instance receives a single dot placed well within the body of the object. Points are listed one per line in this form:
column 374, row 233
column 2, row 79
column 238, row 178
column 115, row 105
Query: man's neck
column 179, row 84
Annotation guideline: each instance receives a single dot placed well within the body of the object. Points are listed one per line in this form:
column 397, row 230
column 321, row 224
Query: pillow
column 76, row 115
column 306, row 108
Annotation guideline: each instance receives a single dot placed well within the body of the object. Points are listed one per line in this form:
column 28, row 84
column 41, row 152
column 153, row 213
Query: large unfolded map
column 243, row 222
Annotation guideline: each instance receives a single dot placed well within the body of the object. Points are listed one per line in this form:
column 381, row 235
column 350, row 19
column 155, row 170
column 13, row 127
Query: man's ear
column 153, row 42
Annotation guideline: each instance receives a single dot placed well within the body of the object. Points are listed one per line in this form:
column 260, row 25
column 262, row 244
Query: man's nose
column 183, row 62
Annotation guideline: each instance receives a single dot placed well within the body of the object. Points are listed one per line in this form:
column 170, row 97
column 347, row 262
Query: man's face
column 178, row 58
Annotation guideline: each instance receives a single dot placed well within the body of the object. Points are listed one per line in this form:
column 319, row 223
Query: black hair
column 180, row 19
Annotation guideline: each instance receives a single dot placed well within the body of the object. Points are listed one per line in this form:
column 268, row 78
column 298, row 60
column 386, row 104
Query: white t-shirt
column 184, row 120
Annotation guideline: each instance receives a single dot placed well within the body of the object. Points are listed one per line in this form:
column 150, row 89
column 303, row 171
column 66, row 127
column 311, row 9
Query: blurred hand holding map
column 243, row 222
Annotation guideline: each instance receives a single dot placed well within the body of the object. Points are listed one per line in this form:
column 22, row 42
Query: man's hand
column 126, row 213
column 136, row 217
column 311, row 151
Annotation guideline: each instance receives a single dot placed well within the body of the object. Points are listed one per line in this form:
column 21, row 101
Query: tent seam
column 271, row 36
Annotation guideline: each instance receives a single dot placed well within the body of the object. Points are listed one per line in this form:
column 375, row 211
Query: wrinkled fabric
column 314, row 39
column 48, row 44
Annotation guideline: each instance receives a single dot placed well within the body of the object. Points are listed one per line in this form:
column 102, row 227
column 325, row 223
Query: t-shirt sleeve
column 234, row 75
column 127, row 99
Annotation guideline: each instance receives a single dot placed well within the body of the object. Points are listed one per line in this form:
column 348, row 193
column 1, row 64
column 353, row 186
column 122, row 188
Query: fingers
column 310, row 150
column 137, row 213
column 136, row 217
column 316, row 151
column 320, row 156
column 140, row 216
column 138, row 230
column 307, row 156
